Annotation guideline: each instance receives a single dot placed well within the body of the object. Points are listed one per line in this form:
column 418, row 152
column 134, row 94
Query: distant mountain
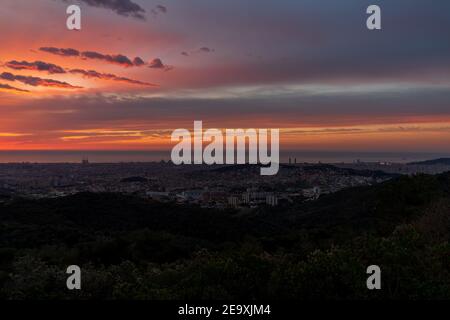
column 440, row 161
column 348, row 171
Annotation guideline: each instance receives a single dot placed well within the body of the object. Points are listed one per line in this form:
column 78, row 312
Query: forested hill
column 440, row 161
column 289, row 168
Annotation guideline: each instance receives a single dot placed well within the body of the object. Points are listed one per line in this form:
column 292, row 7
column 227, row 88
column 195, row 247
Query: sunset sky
column 139, row 69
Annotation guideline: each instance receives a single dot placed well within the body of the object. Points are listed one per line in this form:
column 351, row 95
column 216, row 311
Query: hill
column 254, row 169
column 440, row 161
column 132, row 248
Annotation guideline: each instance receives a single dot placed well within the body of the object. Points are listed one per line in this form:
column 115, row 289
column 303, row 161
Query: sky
column 137, row 70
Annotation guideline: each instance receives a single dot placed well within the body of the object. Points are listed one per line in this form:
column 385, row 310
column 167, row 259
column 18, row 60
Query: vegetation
column 440, row 161
column 130, row 248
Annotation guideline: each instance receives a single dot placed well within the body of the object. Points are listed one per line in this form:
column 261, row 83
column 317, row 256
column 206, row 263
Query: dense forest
column 132, row 248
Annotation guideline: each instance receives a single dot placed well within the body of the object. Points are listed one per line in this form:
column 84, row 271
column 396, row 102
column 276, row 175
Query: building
column 312, row 193
column 233, row 201
column 191, row 194
column 155, row 195
column 272, row 200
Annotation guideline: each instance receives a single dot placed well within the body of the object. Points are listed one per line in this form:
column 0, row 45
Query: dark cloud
column 36, row 81
column 206, row 49
column 138, row 62
column 36, row 66
column 54, row 69
column 200, row 50
column 126, row 8
column 158, row 64
column 118, row 59
column 10, row 88
column 61, row 52
column 114, row 59
column 197, row 51
column 106, row 76
column 159, row 9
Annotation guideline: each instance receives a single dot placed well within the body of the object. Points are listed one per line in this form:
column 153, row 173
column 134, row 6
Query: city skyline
column 136, row 72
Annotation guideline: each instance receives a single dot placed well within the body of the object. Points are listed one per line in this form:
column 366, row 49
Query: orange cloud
column 35, row 66
column 36, row 81
column 55, row 69
column 107, row 76
column 117, row 59
column 7, row 87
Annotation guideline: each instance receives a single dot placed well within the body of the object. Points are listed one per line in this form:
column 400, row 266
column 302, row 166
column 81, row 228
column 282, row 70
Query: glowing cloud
column 55, row 69
column 36, row 66
column 36, row 81
column 117, row 59
column 7, row 87
column 158, row 64
column 106, row 76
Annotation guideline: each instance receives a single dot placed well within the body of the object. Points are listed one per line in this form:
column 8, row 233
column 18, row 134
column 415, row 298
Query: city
column 216, row 186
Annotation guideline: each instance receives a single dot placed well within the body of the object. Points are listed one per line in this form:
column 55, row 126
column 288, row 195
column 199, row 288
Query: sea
column 157, row 156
